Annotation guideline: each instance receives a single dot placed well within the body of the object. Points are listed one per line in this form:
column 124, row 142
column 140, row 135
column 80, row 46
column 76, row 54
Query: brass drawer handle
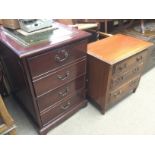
column 135, row 70
column 139, row 58
column 122, row 66
column 64, row 93
column 132, row 83
column 60, row 77
column 117, row 93
column 120, row 79
column 59, row 59
column 66, row 106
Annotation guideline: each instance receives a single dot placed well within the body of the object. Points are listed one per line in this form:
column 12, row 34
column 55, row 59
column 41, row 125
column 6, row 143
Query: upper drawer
column 124, row 65
column 59, row 78
column 50, row 60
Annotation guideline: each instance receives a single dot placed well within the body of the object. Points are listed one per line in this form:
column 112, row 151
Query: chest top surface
column 116, row 48
column 62, row 36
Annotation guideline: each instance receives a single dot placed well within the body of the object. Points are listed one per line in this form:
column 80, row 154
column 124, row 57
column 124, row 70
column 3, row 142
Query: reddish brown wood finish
column 23, row 51
column 61, row 107
column 31, row 72
column 49, row 99
column 59, row 78
column 51, row 60
column 97, row 74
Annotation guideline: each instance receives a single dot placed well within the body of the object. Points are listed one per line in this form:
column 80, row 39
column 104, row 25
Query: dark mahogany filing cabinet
column 115, row 65
column 48, row 78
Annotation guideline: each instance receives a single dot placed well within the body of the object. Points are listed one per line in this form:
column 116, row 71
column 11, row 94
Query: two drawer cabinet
column 115, row 65
column 48, row 79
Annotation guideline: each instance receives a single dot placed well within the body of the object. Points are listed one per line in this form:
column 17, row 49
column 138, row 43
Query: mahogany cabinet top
column 22, row 51
column 116, row 48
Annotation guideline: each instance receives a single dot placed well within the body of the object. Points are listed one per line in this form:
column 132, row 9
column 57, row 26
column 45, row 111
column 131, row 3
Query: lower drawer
column 122, row 91
column 62, row 107
column 60, row 93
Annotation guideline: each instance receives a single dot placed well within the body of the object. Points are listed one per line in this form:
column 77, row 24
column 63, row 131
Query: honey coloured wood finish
column 150, row 62
column 48, row 79
column 115, row 65
column 117, row 48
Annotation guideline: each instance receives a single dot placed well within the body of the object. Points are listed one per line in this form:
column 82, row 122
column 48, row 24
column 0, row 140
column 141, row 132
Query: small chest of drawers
column 150, row 60
column 115, row 65
column 48, row 79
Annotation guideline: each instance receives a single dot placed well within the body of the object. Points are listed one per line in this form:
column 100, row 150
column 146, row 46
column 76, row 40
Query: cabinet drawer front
column 59, row 78
column 48, row 61
column 128, row 63
column 124, row 90
column 62, row 107
column 60, row 93
column 124, row 77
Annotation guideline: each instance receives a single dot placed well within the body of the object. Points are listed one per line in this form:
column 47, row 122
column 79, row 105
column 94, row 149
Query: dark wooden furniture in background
column 48, row 78
column 108, row 25
column 115, row 65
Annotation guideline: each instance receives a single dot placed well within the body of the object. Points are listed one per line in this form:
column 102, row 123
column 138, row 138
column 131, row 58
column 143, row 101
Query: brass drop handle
column 64, row 93
column 132, row 83
column 136, row 70
column 120, row 68
column 123, row 66
column 59, row 59
column 66, row 106
column 139, row 58
column 117, row 93
column 121, row 78
column 60, row 77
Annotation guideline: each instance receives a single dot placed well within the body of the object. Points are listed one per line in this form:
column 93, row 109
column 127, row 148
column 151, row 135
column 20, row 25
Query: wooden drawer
column 48, row 61
column 125, row 76
column 59, row 78
column 127, row 88
column 62, row 107
column 123, row 66
column 60, row 93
